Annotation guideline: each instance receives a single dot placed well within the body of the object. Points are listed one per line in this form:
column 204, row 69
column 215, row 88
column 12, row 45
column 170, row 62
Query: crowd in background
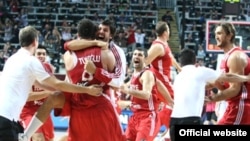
column 57, row 22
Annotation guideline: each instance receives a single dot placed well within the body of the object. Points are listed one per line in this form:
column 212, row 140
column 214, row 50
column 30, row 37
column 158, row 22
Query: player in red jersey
column 235, row 61
column 160, row 59
column 36, row 99
column 105, row 33
column 88, row 114
column 144, row 124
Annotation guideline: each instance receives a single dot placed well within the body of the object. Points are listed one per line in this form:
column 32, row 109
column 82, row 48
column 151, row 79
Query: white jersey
column 189, row 90
column 19, row 74
column 119, row 76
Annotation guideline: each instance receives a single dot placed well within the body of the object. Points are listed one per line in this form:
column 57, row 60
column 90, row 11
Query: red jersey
column 32, row 106
column 131, row 37
column 238, row 109
column 139, row 104
column 161, row 66
column 144, row 114
column 79, row 76
column 94, row 116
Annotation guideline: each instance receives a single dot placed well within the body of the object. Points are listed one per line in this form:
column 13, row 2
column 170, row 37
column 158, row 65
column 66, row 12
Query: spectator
column 66, row 36
column 167, row 18
column 151, row 36
column 15, row 32
column 14, row 6
column 121, row 41
column 139, row 38
column 200, row 53
column 2, row 60
column 8, row 31
column 3, row 11
column 40, row 38
column 130, row 35
column 45, row 29
column 210, row 116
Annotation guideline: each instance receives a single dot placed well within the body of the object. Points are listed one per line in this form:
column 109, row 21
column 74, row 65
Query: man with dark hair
column 88, row 114
column 20, row 72
column 143, row 88
column 189, row 90
column 115, row 78
column 105, row 33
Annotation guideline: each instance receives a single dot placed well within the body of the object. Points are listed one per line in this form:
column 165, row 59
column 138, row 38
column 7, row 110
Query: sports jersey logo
column 86, row 76
column 94, row 58
column 37, row 89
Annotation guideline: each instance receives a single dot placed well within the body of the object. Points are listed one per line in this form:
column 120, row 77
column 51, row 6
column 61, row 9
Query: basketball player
column 105, row 34
column 104, row 39
column 161, row 59
column 19, row 74
column 235, row 61
column 144, row 124
column 88, row 114
column 192, row 81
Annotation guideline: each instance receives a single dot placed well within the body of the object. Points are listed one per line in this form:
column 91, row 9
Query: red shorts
column 99, row 122
column 165, row 115
column 47, row 129
column 143, row 126
column 236, row 115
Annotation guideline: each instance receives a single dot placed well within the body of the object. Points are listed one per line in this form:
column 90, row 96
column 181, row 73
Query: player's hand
column 208, row 99
column 171, row 104
column 124, row 89
column 89, row 66
column 103, row 45
column 94, row 90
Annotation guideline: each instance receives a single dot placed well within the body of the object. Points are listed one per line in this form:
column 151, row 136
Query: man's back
column 162, row 64
column 18, row 85
column 189, row 90
column 77, row 74
column 93, row 114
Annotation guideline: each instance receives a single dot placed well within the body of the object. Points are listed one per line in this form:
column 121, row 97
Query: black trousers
column 9, row 129
column 182, row 121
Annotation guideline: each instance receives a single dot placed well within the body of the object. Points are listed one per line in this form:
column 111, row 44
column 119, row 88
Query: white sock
column 34, row 124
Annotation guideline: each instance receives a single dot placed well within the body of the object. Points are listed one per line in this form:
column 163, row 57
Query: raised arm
column 116, row 78
column 82, row 44
column 154, row 51
column 175, row 63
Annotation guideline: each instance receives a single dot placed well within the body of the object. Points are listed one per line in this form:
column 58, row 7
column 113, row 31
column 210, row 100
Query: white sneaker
column 22, row 137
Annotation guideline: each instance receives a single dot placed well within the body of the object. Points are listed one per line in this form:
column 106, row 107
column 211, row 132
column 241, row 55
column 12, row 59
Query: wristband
column 100, row 76
column 66, row 45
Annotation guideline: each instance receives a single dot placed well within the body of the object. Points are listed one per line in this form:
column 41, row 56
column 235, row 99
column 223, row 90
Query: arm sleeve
column 210, row 75
column 117, row 77
column 38, row 70
column 65, row 46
